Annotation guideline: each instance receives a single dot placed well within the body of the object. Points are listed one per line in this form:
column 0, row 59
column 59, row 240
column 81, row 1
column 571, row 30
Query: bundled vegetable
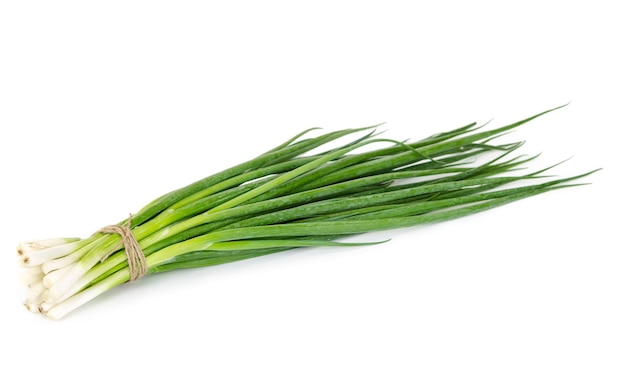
column 294, row 195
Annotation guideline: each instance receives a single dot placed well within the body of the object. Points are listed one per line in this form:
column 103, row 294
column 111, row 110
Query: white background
column 104, row 106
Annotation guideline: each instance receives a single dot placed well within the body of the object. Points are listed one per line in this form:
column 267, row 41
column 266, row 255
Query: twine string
column 134, row 255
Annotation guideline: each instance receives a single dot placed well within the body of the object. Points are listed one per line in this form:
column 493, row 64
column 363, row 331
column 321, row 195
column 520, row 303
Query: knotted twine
column 134, row 255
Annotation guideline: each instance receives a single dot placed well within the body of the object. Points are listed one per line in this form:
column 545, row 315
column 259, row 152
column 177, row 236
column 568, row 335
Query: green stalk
column 296, row 195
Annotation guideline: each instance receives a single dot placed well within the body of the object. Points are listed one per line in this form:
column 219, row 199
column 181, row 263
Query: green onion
column 309, row 191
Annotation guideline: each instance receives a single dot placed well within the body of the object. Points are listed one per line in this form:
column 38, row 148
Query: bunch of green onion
column 295, row 195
